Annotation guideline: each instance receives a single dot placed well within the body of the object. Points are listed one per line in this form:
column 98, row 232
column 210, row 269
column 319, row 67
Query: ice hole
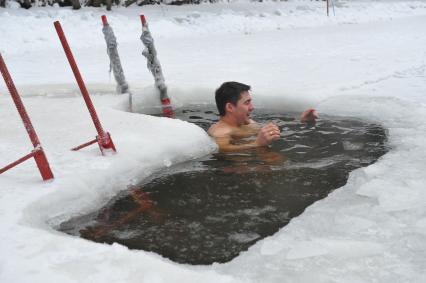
column 211, row 209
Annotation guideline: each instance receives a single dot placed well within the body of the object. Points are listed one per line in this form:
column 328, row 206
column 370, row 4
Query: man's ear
column 229, row 107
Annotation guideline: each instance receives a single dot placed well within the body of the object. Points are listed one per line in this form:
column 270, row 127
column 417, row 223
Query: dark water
column 209, row 210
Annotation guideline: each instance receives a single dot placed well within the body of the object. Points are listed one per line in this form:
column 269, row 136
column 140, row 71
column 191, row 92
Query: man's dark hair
column 229, row 92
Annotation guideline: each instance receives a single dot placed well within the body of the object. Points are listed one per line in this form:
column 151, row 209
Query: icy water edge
column 211, row 209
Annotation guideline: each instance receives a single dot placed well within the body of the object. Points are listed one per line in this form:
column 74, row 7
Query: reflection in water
column 209, row 210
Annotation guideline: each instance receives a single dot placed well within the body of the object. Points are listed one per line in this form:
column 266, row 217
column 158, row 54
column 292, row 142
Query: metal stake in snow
column 103, row 138
column 37, row 152
column 115, row 63
column 154, row 66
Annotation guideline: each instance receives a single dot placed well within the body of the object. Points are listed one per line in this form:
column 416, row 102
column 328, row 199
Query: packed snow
column 367, row 61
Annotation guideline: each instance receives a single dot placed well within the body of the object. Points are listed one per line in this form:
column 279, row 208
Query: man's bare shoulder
column 253, row 126
column 220, row 129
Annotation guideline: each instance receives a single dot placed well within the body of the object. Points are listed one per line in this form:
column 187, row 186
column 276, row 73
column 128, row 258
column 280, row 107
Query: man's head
column 233, row 99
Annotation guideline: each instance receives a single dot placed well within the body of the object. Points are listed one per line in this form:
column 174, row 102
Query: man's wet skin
column 236, row 131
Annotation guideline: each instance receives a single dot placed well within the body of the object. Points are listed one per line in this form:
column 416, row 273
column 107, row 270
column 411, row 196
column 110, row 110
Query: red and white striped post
column 103, row 138
column 167, row 108
column 37, row 152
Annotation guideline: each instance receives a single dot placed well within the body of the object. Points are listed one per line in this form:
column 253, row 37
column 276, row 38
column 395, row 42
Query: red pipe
column 84, row 145
column 38, row 153
column 79, row 79
column 143, row 20
column 17, row 162
column 167, row 108
column 18, row 103
column 104, row 20
column 103, row 138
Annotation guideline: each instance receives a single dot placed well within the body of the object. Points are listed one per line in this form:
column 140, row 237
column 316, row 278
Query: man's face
column 241, row 112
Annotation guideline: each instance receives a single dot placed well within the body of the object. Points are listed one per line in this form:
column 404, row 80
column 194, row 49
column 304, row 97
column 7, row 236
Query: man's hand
column 268, row 134
column 309, row 115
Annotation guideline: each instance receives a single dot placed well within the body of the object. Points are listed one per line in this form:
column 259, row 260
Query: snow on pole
column 115, row 63
column 103, row 138
column 37, row 152
column 154, row 66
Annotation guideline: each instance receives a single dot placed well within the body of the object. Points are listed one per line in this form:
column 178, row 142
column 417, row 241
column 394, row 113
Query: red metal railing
column 103, row 138
column 37, row 152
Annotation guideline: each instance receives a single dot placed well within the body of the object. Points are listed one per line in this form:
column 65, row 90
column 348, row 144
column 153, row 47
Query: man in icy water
column 235, row 130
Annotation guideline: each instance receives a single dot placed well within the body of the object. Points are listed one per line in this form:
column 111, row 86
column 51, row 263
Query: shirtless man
column 233, row 130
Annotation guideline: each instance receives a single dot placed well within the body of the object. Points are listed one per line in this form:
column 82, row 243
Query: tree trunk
column 3, row 3
column 108, row 5
column 76, row 4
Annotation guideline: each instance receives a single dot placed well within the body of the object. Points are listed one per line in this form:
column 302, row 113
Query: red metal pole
column 79, row 79
column 84, row 145
column 143, row 20
column 17, row 162
column 104, row 138
column 39, row 156
column 104, row 20
column 167, row 108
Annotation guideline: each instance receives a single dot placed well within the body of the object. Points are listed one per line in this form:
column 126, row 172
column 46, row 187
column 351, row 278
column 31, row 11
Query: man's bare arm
column 265, row 136
column 225, row 144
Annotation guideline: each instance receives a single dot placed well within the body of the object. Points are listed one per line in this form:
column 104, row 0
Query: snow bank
column 367, row 62
column 180, row 22
column 369, row 230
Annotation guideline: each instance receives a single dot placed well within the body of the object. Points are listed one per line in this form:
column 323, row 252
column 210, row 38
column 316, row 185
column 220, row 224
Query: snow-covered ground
column 367, row 61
